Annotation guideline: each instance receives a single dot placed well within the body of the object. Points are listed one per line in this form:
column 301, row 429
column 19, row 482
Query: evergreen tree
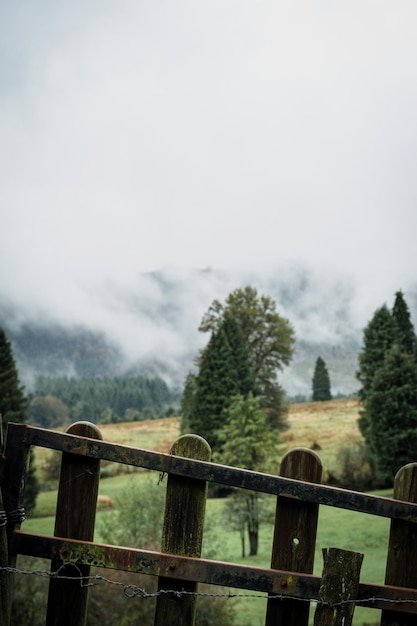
column 321, row 382
column 406, row 335
column 216, row 383
column 187, row 404
column 240, row 355
column 380, row 335
column 12, row 397
column 392, row 407
column 13, row 405
column 378, row 338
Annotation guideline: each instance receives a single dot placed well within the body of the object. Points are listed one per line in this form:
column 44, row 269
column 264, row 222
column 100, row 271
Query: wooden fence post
column 294, row 537
column 5, row 587
column 182, row 534
column 339, row 587
column 75, row 519
column 401, row 569
column 14, row 468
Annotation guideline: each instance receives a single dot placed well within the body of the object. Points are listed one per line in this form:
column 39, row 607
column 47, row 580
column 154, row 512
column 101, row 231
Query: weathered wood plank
column 75, row 518
column 222, row 474
column 339, row 587
column 257, row 579
column 182, row 533
column 294, row 536
column 402, row 548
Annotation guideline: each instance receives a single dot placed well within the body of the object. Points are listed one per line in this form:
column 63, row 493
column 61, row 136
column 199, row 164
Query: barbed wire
column 134, row 591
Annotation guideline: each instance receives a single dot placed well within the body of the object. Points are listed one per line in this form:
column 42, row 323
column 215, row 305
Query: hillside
column 329, row 425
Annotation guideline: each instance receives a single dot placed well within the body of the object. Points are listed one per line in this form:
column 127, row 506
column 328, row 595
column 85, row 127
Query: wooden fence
column 289, row 583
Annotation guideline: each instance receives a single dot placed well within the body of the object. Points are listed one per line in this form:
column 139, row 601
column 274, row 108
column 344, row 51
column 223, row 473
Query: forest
column 56, row 402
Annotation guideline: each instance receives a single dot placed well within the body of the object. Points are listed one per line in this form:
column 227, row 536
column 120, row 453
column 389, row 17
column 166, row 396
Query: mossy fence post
column 182, row 533
column 75, row 519
column 401, row 569
column 294, row 537
column 339, row 587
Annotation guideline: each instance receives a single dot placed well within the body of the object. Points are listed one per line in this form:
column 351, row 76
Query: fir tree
column 406, row 335
column 13, row 408
column 216, row 383
column 379, row 336
column 188, row 403
column 321, row 382
column 12, row 398
column 240, row 355
column 392, row 406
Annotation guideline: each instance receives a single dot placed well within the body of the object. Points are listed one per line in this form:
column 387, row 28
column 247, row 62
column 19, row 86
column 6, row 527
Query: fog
column 273, row 142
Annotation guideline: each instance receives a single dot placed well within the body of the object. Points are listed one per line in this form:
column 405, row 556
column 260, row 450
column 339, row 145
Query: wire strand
column 134, row 591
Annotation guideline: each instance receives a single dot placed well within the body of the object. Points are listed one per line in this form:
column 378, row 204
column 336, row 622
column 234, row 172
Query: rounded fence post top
column 85, row 429
column 191, row 446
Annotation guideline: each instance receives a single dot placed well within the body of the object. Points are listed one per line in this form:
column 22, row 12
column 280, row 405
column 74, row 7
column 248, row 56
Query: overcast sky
column 137, row 136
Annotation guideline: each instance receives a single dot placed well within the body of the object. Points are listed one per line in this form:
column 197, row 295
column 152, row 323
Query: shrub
column 354, row 469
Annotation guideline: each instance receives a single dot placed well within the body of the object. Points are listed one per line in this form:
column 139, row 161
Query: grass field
column 327, row 426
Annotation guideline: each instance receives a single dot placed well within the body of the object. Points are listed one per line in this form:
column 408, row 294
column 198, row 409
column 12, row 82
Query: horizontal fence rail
column 282, row 584
column 221, row 474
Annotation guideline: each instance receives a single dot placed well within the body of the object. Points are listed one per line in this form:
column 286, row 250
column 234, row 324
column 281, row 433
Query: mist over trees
column 122, row 333
column 388, row 373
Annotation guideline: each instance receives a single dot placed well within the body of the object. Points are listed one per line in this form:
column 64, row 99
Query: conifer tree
column 392, row 407
column 240, row 355
column 321, row 382
column 215, row 384
column 406, row 335
column 388, row 372
column 378, row 338
column 13, row 405
column 188, row 403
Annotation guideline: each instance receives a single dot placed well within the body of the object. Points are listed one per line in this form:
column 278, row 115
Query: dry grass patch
column 155, row 434
column 324, row 426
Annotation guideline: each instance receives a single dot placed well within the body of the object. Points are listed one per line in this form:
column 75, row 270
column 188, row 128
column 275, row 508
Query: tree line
column 58, row 401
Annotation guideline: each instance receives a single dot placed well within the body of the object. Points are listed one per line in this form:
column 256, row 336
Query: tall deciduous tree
column 248, row 442
column 13, row 406
column 268, row 336
column 321, row 382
